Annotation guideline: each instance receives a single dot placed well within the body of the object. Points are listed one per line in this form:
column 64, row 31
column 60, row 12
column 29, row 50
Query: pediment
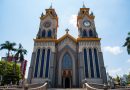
column 67, row 40
column 67, row 36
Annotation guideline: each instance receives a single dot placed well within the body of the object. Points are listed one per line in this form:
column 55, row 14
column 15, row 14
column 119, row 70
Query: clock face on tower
column 47, row 24
column 86, row 23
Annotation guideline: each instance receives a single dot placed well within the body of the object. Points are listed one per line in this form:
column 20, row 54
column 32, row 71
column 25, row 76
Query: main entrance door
column 66, row 71
column 67, row 79
column 67, row 82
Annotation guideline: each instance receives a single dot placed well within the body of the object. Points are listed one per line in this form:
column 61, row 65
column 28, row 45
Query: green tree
column 9, row 76
column 20, row 52
column 127, row 43
column 117, row 79
column 8, row 46
column 128, row 76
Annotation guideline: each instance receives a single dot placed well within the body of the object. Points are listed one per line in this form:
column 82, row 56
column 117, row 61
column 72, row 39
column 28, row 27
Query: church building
column 67, row 62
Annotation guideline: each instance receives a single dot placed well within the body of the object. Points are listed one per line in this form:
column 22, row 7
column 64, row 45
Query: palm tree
column 20, row 53
column 19, row 56
column 127, row 43
column 8, row 46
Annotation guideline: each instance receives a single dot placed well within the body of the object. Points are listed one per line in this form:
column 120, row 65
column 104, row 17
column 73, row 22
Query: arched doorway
column 67, row 82
column 66, row 71
column 67, row 79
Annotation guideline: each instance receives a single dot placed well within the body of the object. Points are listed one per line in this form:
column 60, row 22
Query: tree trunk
column 15, row 67
column 8, row 55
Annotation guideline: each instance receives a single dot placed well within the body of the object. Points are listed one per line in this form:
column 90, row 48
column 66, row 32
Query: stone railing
column 34, row 85
column 88, row 87
column 94, row 86
column 99, row 86
column 43, row 87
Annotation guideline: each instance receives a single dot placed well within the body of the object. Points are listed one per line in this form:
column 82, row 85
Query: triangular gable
column 65, row 36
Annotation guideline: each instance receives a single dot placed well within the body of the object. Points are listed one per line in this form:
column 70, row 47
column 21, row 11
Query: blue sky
column 19, row 22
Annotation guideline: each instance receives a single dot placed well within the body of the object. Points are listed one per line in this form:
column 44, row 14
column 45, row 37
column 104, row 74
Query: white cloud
column 73, row 20
column 128, row 60
column 128, row 70
column 114, row 50
column 115, row 71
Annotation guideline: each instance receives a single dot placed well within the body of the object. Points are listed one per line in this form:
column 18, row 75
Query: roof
column 66, row 35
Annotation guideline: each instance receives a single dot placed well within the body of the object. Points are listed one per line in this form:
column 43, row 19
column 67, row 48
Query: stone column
column 102, row 68
column 45, row 59
column 81, row 68
column 94, row 64
column 31, row 68
column 39, row 64
column 88, row 60
column 51, row 68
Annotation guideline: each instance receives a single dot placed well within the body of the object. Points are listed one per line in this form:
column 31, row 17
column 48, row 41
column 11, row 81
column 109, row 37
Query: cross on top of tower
column 67, row 30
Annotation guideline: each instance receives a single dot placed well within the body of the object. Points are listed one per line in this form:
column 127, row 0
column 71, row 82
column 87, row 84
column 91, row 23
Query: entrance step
column 67, row 89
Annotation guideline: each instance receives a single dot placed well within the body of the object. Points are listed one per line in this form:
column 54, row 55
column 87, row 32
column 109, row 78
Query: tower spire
column 51, row 6
column 84, row 5
column 92, row 13
column 42, row 14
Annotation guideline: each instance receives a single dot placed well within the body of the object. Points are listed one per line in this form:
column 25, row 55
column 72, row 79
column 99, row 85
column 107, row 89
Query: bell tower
column 85, row 23
column 91, row 63
column 44, row 52
column 48, row 24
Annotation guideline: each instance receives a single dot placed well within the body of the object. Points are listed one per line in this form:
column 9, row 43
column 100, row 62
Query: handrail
column 88, row 87
column 43, row 87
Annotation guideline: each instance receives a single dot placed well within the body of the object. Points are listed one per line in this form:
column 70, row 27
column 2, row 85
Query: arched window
column 66, row 62
column 42, row 63
column 90, row 33
column 37, row 62
column 86, row 63
column 91, row 63
column 43, row 33
column 49, row 33
column 96, row 62
column 47, row 63
column 84, row 33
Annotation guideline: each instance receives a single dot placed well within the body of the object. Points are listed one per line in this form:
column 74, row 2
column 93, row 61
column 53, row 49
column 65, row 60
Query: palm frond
column 24, row 51
column 125, row 44
column 21, row 52
column 21, row 57
column 20, row 45
column 128, row 33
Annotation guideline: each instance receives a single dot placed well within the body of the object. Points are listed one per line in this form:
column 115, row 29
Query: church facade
column 67, row 62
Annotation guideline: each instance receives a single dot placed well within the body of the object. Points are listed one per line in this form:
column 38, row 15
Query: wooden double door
column 67, row 78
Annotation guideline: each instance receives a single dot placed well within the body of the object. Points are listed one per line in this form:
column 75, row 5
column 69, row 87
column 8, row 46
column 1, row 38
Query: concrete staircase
column 67, row 89
column 70, row 89
column 45, row 85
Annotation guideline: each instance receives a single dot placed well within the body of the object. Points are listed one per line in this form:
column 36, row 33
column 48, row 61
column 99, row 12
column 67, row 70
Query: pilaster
column 31, row 69
column 102, row 68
